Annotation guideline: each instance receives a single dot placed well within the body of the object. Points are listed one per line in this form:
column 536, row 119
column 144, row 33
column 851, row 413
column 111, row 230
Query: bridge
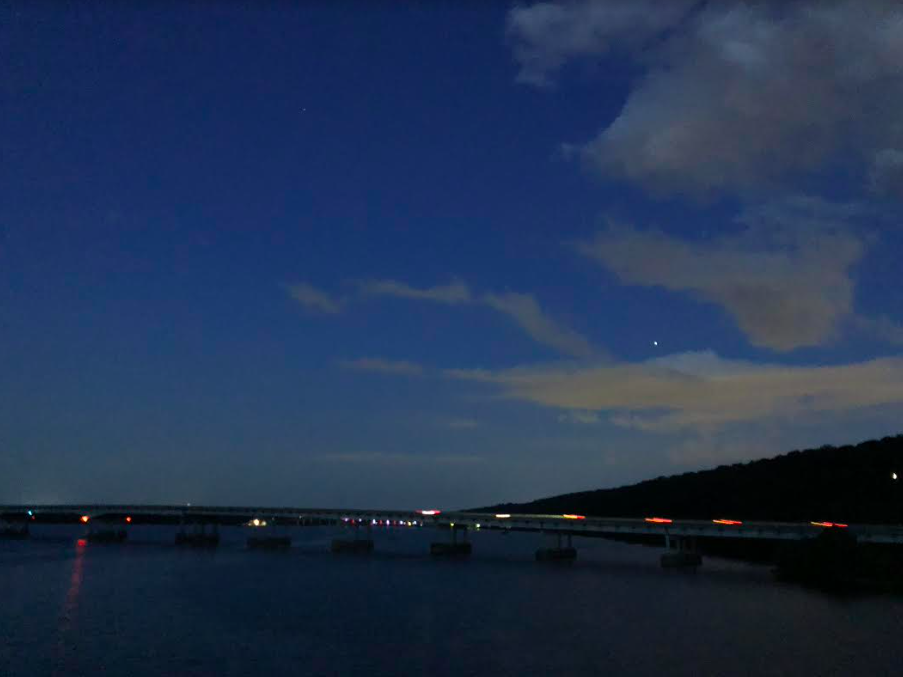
column 198, row 525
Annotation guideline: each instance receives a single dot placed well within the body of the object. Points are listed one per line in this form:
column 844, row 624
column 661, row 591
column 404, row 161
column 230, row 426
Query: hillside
column 851, row 484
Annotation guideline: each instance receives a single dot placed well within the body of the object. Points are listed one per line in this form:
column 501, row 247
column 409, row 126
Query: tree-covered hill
column 852, row 484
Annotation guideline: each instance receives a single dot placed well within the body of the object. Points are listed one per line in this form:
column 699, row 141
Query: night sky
column 441, row 254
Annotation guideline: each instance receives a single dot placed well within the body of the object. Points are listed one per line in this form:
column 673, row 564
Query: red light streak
column 659, row 520
column 829, row 524
column 574, row 517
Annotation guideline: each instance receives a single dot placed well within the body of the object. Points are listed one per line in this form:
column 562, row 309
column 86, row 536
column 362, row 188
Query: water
column 147, row 608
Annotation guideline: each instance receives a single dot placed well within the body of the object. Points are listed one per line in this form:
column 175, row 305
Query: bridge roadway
column 573, row 525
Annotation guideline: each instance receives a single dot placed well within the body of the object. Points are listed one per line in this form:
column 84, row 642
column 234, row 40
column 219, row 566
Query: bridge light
column 731, row 522
column 128, row 519
column 30, row 513
column 84, row 519
column 574, row 517
column 659, row 520
column 893, row 475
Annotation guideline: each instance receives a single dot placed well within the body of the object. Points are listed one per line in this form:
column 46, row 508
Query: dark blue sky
column 382, row 254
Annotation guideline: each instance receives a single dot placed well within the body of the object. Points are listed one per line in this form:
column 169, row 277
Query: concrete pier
column 453, row 547
column 686, row 555
column 13, row 530
column 556, row 554
column 198, row 536
column 106, row 535
column 563, row 552
column 269, row 542
column 352, row 545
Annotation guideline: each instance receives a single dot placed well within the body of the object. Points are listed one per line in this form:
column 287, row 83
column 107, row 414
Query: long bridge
column 198, row 525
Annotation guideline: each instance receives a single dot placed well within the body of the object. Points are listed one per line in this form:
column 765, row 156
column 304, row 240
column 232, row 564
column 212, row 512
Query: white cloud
column 522, row 308
column 700, row 391
column 881, row 327
column 456, row 292
column 315, row 299
column 785, row 280
column 376, row 364
column 735, row 94
column 546, row 35
column 525, row 311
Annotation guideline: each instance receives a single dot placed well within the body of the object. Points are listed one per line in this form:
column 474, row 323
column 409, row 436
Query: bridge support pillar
column 13, row 528
column 105, row 531
column 686, row 555
column 454, row 547
column 197, row 534
column 360, row 544
column 563, row 552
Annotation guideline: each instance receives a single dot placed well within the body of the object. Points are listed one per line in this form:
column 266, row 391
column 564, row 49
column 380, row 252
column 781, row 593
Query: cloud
column 785, row 279
column 546, row 35
column 525, row 311
column 734, row 94
column 699, row 390
column 887, row 172
column 453, row 293
column 881, row 327
column 522, row 308
column 380, row 365
column 314, row 299
column 578, row 416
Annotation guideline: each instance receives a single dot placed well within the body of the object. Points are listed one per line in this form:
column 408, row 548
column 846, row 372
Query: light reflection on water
column 148, row 608
column 66, row 626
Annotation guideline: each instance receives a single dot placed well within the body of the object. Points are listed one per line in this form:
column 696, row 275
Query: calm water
column 147, row 608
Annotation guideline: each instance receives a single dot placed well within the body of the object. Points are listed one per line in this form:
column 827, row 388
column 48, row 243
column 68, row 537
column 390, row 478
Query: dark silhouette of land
column 854, row 484
column 849, row 484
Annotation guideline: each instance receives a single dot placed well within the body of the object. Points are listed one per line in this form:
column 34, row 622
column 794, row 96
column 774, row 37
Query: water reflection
column 70, row 607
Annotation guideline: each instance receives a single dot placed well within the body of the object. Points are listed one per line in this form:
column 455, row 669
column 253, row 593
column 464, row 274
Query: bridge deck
column 573, row 524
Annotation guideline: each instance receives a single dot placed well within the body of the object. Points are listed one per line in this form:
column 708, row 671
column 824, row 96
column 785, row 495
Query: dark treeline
column 851, row 484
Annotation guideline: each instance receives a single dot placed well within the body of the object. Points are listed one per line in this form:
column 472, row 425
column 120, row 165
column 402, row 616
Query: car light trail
column 429, row 512
column 659, row 520
column 730, row 522
column 829, row 524
column 502, row 516
column 574, row 517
